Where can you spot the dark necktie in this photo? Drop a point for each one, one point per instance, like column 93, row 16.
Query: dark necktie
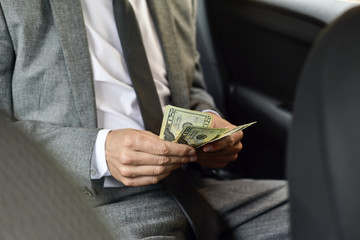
column 201, row 217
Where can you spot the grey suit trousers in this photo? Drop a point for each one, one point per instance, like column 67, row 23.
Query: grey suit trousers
column 248, row 209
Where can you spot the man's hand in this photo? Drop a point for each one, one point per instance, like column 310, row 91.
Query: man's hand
column 219, row 153
column 138, row 158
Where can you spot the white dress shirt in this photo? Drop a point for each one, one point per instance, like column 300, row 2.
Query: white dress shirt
column 116, row 102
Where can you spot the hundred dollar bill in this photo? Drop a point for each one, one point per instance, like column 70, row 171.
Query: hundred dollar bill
column 176, row 119
column 197, row 136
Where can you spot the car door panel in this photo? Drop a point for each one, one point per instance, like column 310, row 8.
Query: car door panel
column 260, row 49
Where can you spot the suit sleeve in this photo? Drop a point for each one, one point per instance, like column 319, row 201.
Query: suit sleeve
column 200, row 99
column 71, row 147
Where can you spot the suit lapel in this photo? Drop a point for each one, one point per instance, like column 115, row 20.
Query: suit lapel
column 71, row 29
column 69, row 22
column 164, row 23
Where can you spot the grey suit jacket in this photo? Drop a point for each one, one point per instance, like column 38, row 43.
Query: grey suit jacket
column 46, row 82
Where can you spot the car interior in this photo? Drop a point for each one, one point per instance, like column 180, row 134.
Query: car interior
column 323, row 144
column 254, row 55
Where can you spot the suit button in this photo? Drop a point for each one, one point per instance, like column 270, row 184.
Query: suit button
column 93, row 172
column 87, row 193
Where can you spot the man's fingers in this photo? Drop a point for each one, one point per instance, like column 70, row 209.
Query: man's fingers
column 146, row 170
column 142, row 181
column 141, row 175
column 142, row 158
column 122, row 144
column 218, row 158
column 227, row 142
column 217, row 161
column 152, row 144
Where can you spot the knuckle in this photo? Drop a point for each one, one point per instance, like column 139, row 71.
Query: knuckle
column 163, row 160
column 241, row 135
column 125, row 159
column 155, row 180
column 230, row 140
column 164, row 149
column 128, row 142
column 239, row 147
column 183, row 151
column 233, row 157
column 184, row 160
column 127, row 182
column 125, row 172
column 160, row 170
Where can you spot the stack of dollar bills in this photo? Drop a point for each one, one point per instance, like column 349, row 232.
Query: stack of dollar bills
column 192, row 127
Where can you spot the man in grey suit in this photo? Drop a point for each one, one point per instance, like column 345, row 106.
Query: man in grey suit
column 63, row 80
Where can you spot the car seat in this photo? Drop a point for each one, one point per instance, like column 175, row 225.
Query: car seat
column 324, row 143
column 37, row 201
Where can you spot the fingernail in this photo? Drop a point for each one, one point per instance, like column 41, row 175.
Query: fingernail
column 192, row 152
column 193, row 158
column 208, row 148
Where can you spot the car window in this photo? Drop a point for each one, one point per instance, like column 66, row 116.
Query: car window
column 324, row 10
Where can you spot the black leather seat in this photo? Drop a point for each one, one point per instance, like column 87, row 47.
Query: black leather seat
column 37, row 202
column 324, row 144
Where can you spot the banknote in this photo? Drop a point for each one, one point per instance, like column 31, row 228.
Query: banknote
column 199, row 136
column 229, row 132
column 192, row 127
column 177, row 119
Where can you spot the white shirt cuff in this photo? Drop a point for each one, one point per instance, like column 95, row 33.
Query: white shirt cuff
column 99, row 166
